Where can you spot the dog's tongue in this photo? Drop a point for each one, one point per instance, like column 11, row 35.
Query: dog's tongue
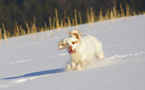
column 71, row 51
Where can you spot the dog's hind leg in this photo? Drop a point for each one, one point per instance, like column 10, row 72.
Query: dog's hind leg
column 100, row 55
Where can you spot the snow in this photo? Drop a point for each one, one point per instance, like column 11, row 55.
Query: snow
column 38, row 64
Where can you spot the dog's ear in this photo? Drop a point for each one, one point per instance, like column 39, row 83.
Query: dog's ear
column 77, row 36
column 79, row 33
column 62, row 44
column 76, row 33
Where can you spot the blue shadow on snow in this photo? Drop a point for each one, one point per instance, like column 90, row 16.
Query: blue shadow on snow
column 53, row 71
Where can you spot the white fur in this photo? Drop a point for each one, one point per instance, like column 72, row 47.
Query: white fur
column 83, row 51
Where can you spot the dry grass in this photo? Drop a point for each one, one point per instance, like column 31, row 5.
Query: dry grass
column 56, row 23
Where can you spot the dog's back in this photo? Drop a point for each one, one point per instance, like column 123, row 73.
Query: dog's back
column 90, row 46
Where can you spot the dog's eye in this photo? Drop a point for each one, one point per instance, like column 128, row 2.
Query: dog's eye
column 67, row 44
column 73, row 42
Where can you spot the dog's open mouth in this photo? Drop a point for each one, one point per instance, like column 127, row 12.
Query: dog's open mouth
column 72, row 51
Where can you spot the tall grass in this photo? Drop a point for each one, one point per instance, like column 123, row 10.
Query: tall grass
column 57, row 23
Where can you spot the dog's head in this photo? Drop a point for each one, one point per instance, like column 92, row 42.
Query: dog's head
column 74, row 33
column 72, row 44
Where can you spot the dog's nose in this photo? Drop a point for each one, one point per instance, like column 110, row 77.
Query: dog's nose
column 70, row 47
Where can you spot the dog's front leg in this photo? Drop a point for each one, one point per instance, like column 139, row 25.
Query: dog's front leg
column 71, row 66
column 74, row 66
column 79, row 66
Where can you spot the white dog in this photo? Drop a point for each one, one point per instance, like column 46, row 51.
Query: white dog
column 82, row 49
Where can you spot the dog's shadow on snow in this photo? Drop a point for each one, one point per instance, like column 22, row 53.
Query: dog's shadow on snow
column 39, row 73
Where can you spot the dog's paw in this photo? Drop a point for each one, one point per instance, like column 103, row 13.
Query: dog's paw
column 73, row 67
column 78, row 67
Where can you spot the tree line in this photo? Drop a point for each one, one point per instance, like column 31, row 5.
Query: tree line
column 22, row 11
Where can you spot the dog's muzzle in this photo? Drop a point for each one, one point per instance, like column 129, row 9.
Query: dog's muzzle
column 71, row 51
